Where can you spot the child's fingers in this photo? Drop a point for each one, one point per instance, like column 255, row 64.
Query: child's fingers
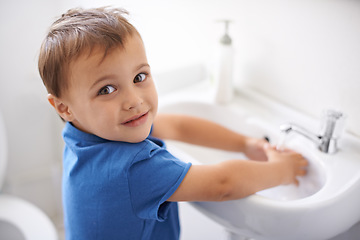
column 284, row 149
column 304, row 163
column 301, row 172
column 296, row 182
column 268, row 148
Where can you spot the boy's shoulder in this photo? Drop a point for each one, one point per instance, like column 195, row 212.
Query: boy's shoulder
column 81, row 142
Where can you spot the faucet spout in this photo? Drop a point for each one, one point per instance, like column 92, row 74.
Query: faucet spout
column 291, row 127
column 326, row 141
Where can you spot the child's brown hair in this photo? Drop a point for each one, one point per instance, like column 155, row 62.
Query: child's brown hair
column 75, row 32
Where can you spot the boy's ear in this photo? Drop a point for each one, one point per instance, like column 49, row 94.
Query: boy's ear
column 61, row 108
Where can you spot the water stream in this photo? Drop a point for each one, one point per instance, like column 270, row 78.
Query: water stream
column 280, row 146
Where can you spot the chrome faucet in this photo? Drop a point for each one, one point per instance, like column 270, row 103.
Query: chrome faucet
column 329, row 134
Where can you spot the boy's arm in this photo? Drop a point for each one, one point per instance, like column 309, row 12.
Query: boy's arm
column 236, row 179
column 230, row 179
column 206, row 133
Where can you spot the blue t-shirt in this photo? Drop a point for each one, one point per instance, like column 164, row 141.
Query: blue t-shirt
column 118, row 190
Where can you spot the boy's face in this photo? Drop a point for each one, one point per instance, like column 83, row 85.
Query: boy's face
column 112, row 97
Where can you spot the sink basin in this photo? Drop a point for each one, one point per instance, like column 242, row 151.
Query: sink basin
column 324, row 205
column 239, row 122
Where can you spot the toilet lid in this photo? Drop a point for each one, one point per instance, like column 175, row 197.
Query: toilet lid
column 33, row 223
column 3, row 151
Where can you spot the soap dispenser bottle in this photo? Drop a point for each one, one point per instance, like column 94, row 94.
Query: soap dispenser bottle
column 224, row 69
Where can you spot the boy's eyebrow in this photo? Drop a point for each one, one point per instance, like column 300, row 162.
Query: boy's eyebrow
column 143, row 65
column 112, row 75
column 101, row 79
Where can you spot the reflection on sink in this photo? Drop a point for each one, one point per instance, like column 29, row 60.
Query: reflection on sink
column 321, row 207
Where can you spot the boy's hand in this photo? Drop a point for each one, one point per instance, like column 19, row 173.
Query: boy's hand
column 255, row 149
column 291, row 164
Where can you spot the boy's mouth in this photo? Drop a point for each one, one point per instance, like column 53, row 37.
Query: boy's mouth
column 136, row 120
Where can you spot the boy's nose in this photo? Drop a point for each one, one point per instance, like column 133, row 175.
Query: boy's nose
column 132, row 100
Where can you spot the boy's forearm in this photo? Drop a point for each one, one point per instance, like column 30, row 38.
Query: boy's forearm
column 228, row 180
column 245, row 178
column 206, row 133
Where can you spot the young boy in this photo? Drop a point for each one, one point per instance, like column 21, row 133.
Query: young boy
column 119, row 181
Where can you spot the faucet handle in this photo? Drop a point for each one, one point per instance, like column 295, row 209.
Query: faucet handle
column 332, row 124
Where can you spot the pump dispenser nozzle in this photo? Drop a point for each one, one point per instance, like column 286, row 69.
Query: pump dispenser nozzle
column 224, row 69
column 226, row 39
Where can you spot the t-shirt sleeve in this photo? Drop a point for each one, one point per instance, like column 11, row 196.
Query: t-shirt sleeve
column 153, row 177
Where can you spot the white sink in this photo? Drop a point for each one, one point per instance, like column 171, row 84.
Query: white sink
column 324, row 205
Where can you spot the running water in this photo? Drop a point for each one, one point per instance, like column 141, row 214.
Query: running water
column 308, row 185
column 280, row 146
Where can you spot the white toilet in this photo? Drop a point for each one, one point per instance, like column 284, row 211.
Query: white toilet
column 20, row 219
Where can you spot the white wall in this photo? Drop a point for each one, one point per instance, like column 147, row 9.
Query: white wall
column 303, row 53
column 308, row 54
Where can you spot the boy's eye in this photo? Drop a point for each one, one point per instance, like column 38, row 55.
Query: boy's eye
column 140, row 77
column 106, row 90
